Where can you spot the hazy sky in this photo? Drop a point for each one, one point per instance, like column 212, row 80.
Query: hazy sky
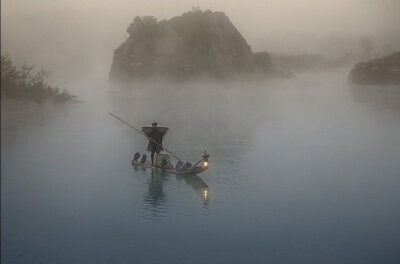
column 79, row 36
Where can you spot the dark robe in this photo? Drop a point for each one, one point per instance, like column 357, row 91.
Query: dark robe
column 157, row 134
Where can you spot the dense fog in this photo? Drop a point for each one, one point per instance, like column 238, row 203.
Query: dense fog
column 76, row 39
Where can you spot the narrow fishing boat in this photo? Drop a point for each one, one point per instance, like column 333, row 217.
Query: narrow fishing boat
column 181, row 169
column 192, row 170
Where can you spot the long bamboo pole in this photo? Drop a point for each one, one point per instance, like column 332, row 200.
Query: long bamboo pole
column 149, row 138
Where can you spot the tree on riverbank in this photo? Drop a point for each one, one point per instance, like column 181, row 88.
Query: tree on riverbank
column 25, row 84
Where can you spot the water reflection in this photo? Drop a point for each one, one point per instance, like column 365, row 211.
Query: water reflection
column 381, row 96
column 156, row 199
column 198, row 185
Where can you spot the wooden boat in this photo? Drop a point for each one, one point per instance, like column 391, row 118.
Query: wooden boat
column 193, row 170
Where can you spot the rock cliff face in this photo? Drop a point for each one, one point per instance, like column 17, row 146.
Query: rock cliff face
column 198, row 43
column 384, row 70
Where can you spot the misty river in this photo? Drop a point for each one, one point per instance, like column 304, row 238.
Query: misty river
column 302, row 170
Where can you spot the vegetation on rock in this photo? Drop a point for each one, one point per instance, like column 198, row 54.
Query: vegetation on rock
column 197, row 43
column 23, row 83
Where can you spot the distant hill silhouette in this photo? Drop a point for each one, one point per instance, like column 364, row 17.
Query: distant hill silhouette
column 384, row 70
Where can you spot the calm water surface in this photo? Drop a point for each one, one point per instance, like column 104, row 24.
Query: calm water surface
column 305, row 170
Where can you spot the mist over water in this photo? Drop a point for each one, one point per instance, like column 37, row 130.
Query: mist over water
column 302, row 170
column 75, row 39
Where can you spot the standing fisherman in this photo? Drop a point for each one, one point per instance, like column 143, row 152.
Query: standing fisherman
column 155, row 133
